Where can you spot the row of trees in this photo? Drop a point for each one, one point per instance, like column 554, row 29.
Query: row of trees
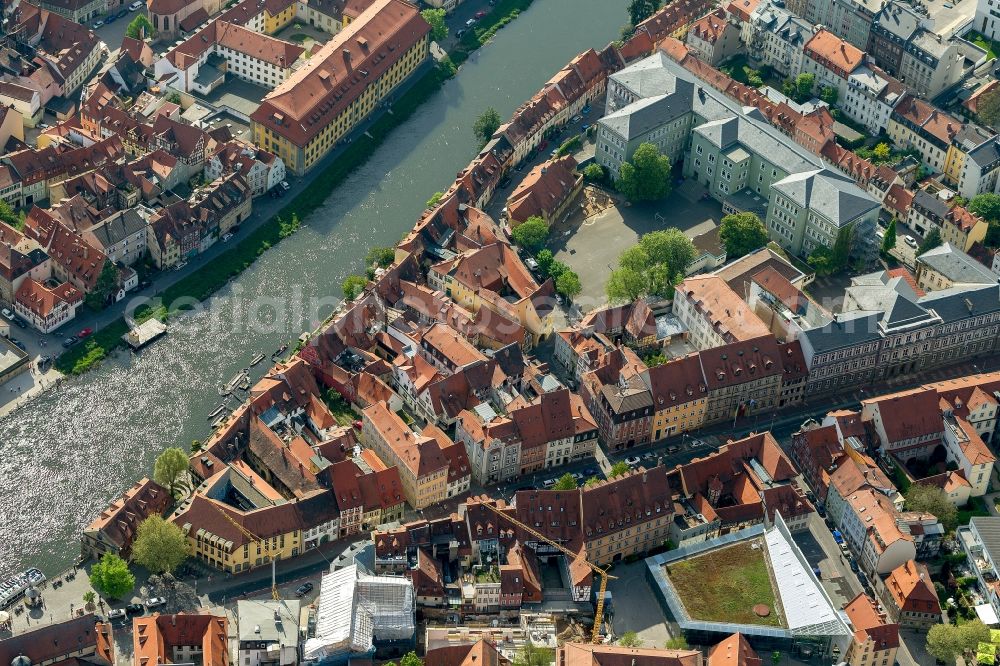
column 532, row 235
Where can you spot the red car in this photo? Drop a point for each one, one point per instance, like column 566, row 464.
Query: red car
column 481, row 13
column 84, row 333
column 357, row 425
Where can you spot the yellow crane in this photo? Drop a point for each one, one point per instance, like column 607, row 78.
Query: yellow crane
column 603, row 573
column 254, row 539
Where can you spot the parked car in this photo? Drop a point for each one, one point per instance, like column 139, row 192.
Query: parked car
column 17, row 343
column 180, row 265
column 7, row 314
column 591, row 471
column 548, row 483
column 134, row 609
column 84, row 333
column 911, row 241
column 633, row 460
column 144, row 284
column 19, row 322
column 116, row 613
column 578, row 477
column 121, row 13
column 577, row 118
column 854, row 566
column 460, row 33
column 303, row 589
column 480, row 14
column 672, row 449
column 155, row 602
column 471, row 22
column 136, row 5
column 70, row 341
column 96, row 24
column 585, row 110
column 285, row 186
column 110, row 18
column 226, row 237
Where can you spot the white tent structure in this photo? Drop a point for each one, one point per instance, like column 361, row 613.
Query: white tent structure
column 355, row 609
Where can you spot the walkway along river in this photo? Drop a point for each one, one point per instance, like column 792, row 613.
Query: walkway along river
column 64, row 457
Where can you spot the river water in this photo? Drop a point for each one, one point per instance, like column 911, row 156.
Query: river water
column 70, row 452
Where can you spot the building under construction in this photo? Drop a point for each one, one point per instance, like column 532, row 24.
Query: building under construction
column 358, row 613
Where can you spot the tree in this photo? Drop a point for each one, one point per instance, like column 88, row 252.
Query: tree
column 804, row 86
column 531, row 234
column 882, row 152
column 383, row 256
column 821, row 260
column 889, row 240
column 647, row 176
column 111, row 577
column 630, row 639
column 841, row 251
column 986, row 206
column 435, row 17
column 159, row 545
column 534, row 655
column 653, row 267
column 640, row 10
column 568, row 284
column 140, row 28
column 931, row 499
column 741, row 234
column 195, row 445
column 988, row 108
column 948, row 641
column 411, row 659
column 353, row 285
column 169, row 467
column 107, row 282
column 486, row 124
column 89, row 597
column 619, row 468
column 754, row 79
column 593, row 172
column 565, row 482
column 8, row 215
column 592, row 481
column 544, row 259
column 678, row 643
column 776, row 657
column 435, row 198
column 788, row 88
column 828, row 95
column 931, row 241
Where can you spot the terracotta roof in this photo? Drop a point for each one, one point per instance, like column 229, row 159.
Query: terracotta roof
column 154, row 639
column 625, row 501
column 709, row 28
column 777, row 284
column 869, row 625
column 742, row 10
column 57, row 643
column 834, row 53
column 912, row 590
column 733, row 651
column 586, row 654
column 741, row 362
column 725, row 311
column 236, row 38
column 41, row 300
column 676, row 382
column 121, row 519
column 419, row 454
column 909, row 414
column 543, row 190
column 898, row 199
column 930, row 119
column 341, row 70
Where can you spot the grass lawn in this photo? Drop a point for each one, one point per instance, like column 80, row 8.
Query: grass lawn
column 987, row 45
column 724, row 586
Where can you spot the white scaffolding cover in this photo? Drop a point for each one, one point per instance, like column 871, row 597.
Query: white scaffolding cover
column 355, row 609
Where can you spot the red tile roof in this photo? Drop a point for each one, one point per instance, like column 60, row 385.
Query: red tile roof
column 543, row 190
column 834, row 53
column 869, row 625
column 734, row 651
column 912, row 590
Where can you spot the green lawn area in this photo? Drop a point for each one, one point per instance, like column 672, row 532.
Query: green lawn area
column 986, row 44
column 724, row 586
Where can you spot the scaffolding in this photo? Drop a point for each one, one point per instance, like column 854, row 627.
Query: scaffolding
column 356, row 610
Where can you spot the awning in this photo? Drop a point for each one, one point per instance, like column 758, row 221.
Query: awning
column 987, row 615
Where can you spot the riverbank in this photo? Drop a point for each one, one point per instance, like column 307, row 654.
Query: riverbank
column 206, row 280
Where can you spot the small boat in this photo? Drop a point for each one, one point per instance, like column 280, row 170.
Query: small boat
column 281, row 350
column 218, row 410
column 256, row 359
column 236, row 381
column 224, row 391
column 245, row 383
column 219, row 421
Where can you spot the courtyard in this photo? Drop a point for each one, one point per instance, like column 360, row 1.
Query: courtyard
column 241, row 96
column 727, row 585
column 602, row 225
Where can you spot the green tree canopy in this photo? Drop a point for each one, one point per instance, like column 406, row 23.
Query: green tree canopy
column 678, row 643
column 882, row 152
column 353, row 285
column 170, row 467
column 534, row 655
column 988, row 108
column 619, row 468
column 640, row 10
column 107, row 283
column 986, row 206
column 565, row 482
column 435, row 17
column 139, row 28
column 948, row 641
column 435, row 198
column 803, row 86
column 931, row 241
column 889, row 240
column 382, row 256
column 593, row 172
column 630, row 639
column 531, row 234
column 931, row 499
column 741, row 234
column 159, row 545
column 111, row 577
column 647, row 176
column 568, row 284
column 828, row 95
column 653, row 267
column 8, row 216
column 486, row 124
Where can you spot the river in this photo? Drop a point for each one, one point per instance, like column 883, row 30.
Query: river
column 70, row 452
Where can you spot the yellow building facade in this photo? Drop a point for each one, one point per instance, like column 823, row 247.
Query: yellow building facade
column 677, row 419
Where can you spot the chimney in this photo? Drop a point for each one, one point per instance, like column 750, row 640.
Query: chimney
column 644, row 473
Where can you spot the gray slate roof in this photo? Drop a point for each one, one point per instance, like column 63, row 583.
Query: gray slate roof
column 989, row 531
column 956, row 265
column 832, row 194
column 119, row 227
column 847, row 330
column 960, row 303
column 647, row 114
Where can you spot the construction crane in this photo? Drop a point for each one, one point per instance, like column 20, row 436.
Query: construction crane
column 254, row 539
column 602, row 573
